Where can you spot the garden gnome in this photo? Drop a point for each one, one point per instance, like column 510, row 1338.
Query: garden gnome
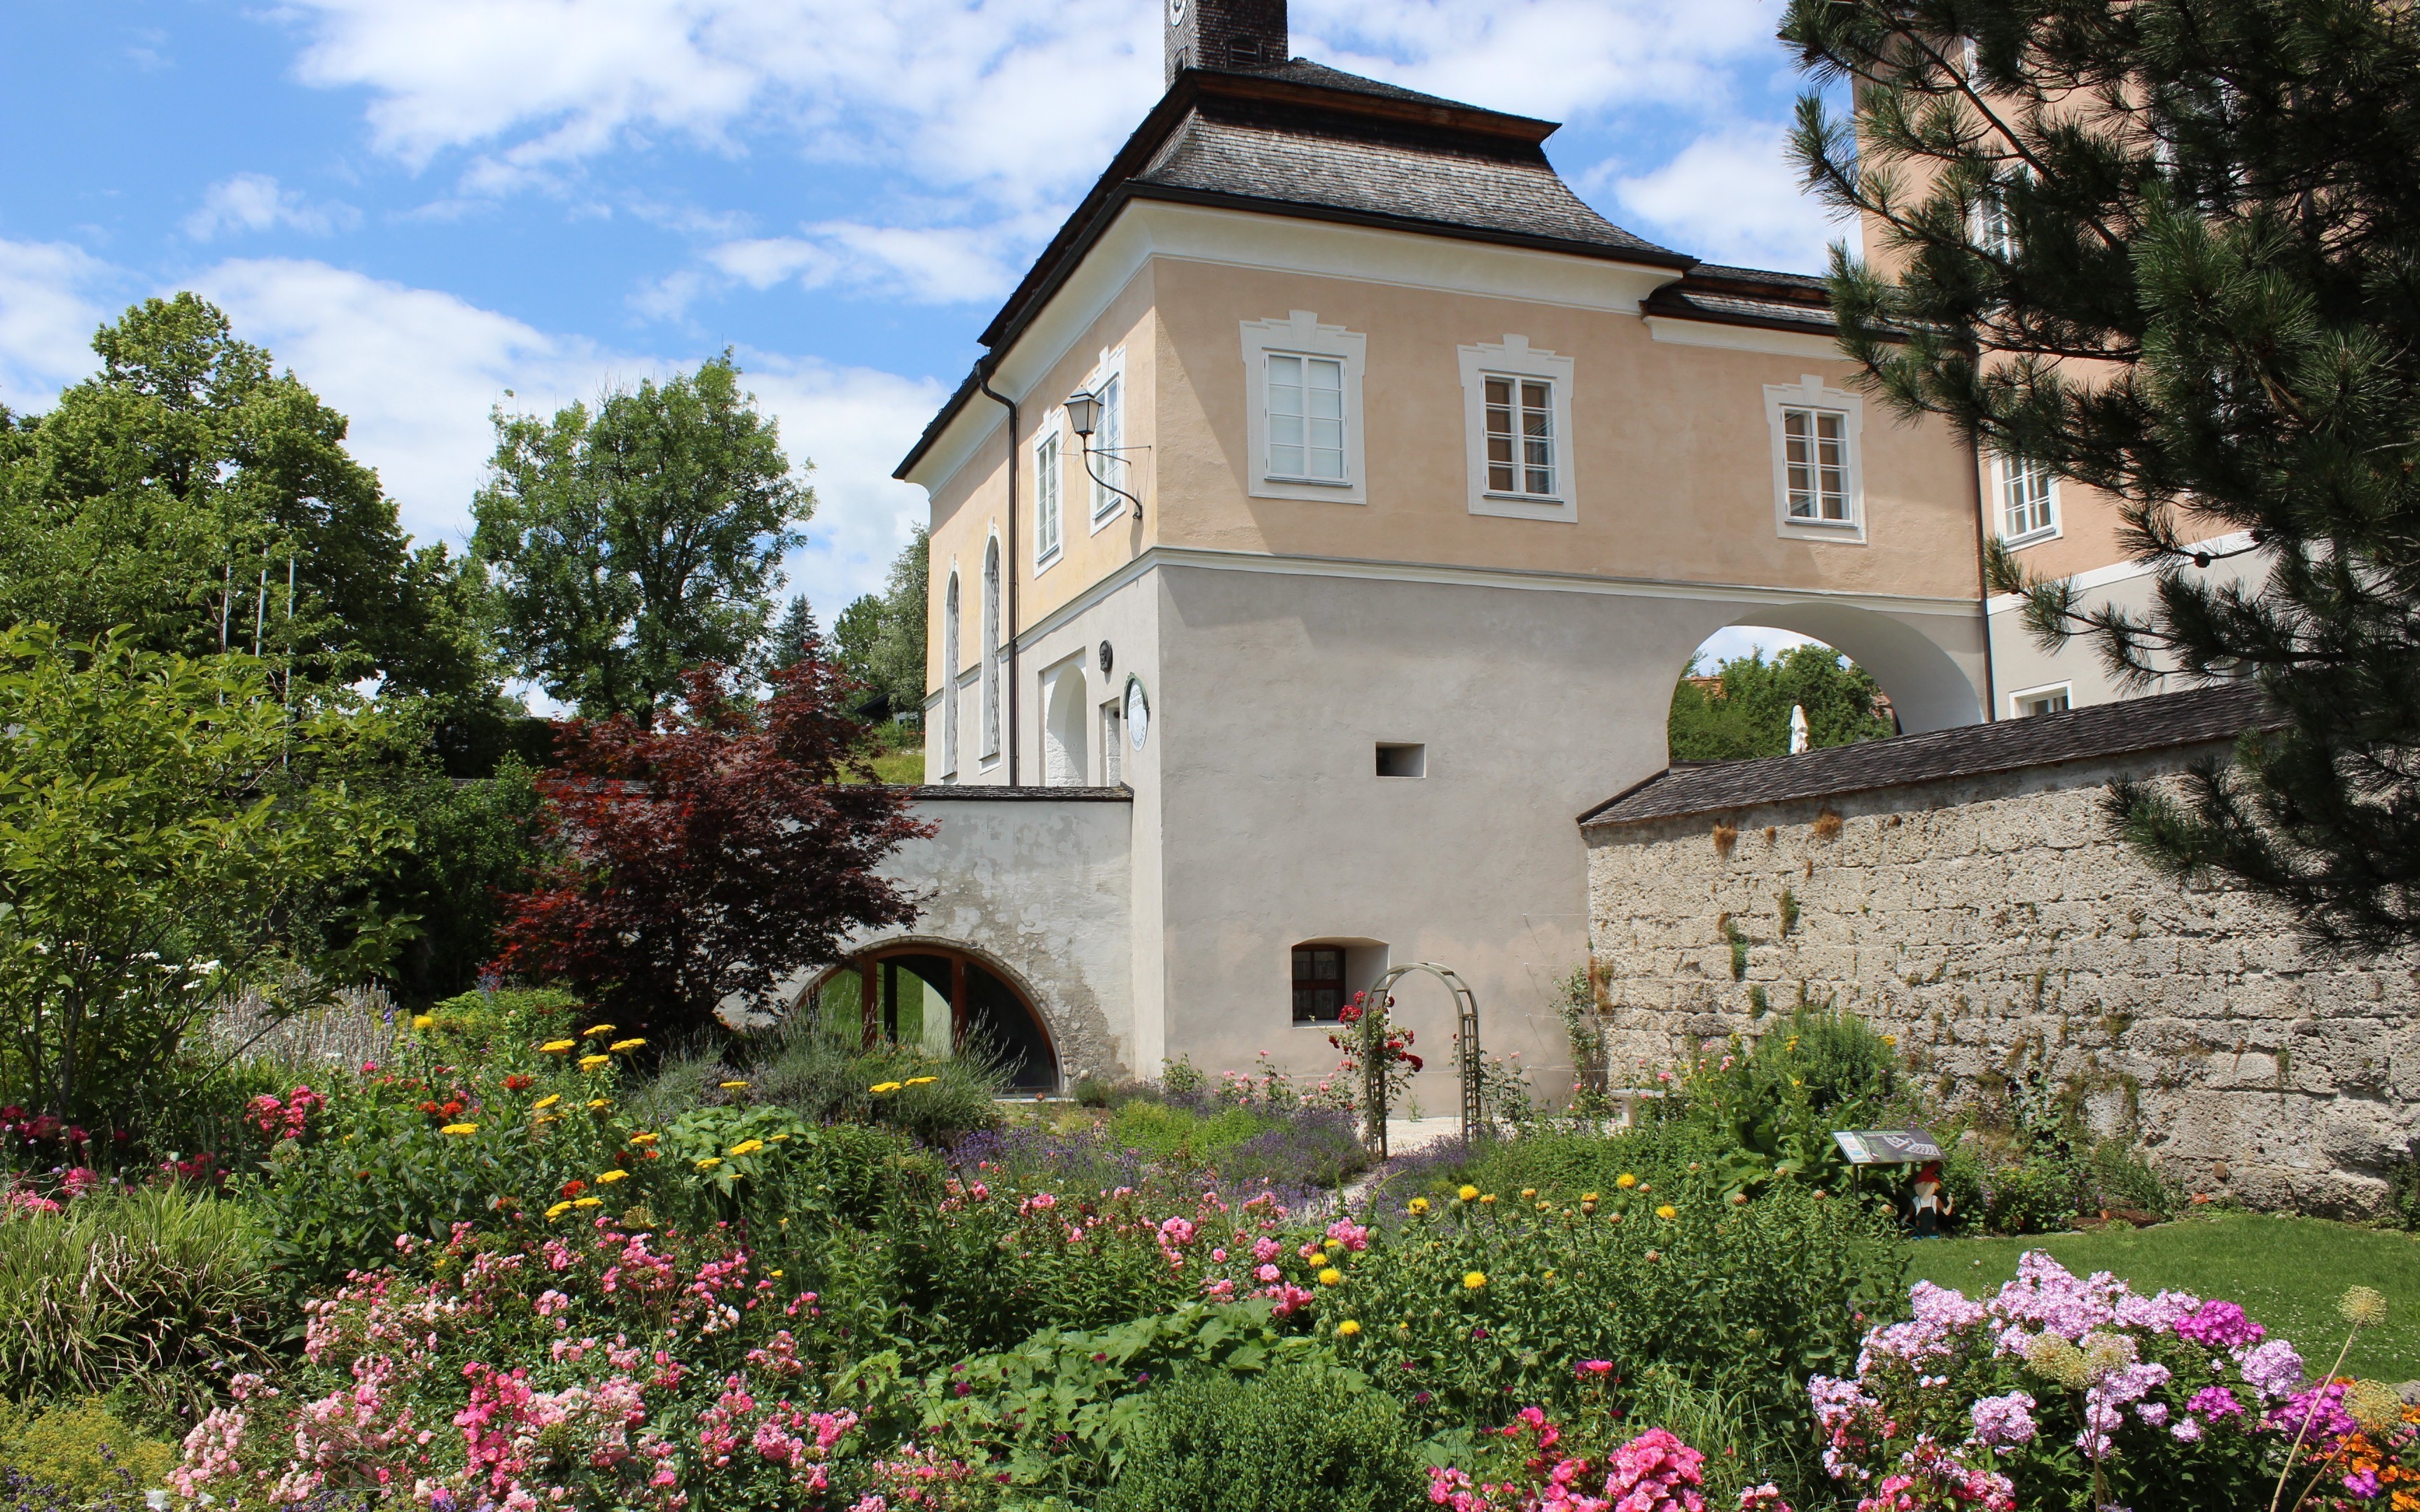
column 1932, row 1204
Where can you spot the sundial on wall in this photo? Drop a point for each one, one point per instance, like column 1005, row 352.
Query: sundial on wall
column 1137, row 712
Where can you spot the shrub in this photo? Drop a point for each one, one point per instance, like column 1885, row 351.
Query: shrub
column 2035, row 1195
column 1302, row 1438
column 800, row 1066
column 81, row 1449
column 504, row 1020
column 161, row 1291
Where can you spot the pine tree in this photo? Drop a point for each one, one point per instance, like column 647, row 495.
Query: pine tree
column 2170, row 249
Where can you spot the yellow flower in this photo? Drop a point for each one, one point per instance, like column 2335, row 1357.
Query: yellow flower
column 599, row 1104
column 1625, row 1181
column 556, row 1047
column 1346, row 1329
column 1416, row 1206
column 748, row 1147
column 880, row 1088
column 558, row 1210
column 1487, row 1199
column 1336, row 1243
column 1891, row 1040
column 781, row 1139
column 592, row 1062
column 642, row 1139
column 1468, row 1193
column 620, row 1045
column 609, row 1177
column 1589, row 1197
column 1331, row 1277
column 424, row 1021
column 595, row 1030
column 1668, row 1211
column 920, row 1081
column 460, row 1129
column 733, row 1086
column 709, row 1162
column 1474, row 1280
column 588, row 1202
column 545, row 1103
column 1529, row 1192
column 775, row 1275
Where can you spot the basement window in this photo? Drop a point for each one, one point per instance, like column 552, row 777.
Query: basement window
column 1403, row 760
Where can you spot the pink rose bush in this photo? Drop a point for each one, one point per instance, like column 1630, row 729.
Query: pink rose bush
column 2060, row 1385
column 1653, row 1472
column 595, row 1367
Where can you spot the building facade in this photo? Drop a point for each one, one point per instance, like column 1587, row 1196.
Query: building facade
column 1345, row 495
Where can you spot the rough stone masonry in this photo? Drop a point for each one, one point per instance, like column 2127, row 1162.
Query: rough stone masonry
column 1965, row 893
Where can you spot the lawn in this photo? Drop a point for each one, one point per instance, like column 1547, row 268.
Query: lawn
column 2286, row 1272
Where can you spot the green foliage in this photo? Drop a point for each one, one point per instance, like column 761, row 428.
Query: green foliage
column 80, row 1449
column 1770, row 1109
column 170, row 493
column 2035, row 1195
column 470, row 845
column 1058, row 1409
column 824, row 1077
column 1748, row 716
column 636, row 542
column 1301, row 1438
column 1486, row 1305
column 881, row 639
column 169, row 830
column 159, row 1292
column 2193, row 295
column 472, row 1025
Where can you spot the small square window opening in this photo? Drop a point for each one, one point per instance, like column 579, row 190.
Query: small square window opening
column 2049, row 701
column 1319, row 995
column 1403, row 760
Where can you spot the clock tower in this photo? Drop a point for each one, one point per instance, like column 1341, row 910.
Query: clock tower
column 1227, row 34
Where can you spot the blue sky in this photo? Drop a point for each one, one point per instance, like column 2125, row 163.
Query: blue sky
column 420, row 205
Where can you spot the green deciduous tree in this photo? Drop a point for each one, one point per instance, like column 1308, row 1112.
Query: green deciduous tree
column 639, row 539
column 203, row 502
column 880, row 637
column 2171, row 248
column 170, row 830
column 1748, row 714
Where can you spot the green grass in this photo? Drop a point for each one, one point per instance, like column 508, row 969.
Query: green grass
column 2286, row 1272
column 901, row 765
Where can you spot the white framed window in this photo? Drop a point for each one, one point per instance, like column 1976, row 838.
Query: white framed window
column 1049, row 478
column 1518, row 420
column 2028, row 501
column 1995, row 231
column 1305, row 408
column 950, row 692
column 1818, row 475
column 1108, row 462
column 992, row 651
column 2053, row 698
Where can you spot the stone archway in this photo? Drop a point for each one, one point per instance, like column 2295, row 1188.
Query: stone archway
column 1928, row 687
column 945, row 997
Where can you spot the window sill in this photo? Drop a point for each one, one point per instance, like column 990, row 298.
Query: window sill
column 1795, row 523
column 1541, row 499
column 1043, row 564
column 2018, row 543
column 1108, row 517
column 1306, row 483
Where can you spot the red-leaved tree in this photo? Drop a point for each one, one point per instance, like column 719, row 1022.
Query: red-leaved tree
column 707, row 857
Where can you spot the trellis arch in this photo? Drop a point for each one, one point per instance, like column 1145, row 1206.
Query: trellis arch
column 1375, row 1013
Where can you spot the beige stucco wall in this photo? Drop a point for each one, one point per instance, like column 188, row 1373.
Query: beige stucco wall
column 1998, row 927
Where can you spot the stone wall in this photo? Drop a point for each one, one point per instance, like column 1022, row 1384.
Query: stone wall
column 1999, row 928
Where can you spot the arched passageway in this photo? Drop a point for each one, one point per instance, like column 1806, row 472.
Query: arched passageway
column 945, row 999
column 1927, row 686
column 1066, row 763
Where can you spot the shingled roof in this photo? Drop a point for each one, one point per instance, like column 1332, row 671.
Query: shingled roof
column 1301, row 139
column 1747, row 297
column 2095, row 733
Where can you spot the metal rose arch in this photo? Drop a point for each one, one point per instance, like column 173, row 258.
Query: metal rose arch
column 1374, row 1059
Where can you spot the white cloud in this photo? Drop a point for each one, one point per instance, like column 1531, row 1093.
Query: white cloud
column 1731, row 196
column 48, row 314
column 1739, row 641
column 934, row 265
column 418, row 372
column 254, row 201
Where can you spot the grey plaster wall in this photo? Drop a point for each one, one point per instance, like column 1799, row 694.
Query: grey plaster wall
column 1999, row 928
column 1041, row 885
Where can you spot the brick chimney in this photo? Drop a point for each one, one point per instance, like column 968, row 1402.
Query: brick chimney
column 1224, row 33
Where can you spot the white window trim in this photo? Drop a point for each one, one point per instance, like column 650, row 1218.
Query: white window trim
column 1053, row 428
column 988, row 635
column 1107, row 509
column 1301, row 334
column 2017, row 699
column 2051, row 531
column 1515, row 358
column 953, row 613
column 1808, row 392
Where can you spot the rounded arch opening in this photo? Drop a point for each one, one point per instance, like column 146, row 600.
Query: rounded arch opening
column 1858, row 674
column 1064, row 758
column 942, row 998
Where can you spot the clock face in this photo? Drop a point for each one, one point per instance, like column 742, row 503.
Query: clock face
column 1138, row 713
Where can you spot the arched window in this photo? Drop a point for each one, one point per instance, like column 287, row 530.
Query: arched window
column 943, row 1000
column 991, row 650
column 950, row 679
